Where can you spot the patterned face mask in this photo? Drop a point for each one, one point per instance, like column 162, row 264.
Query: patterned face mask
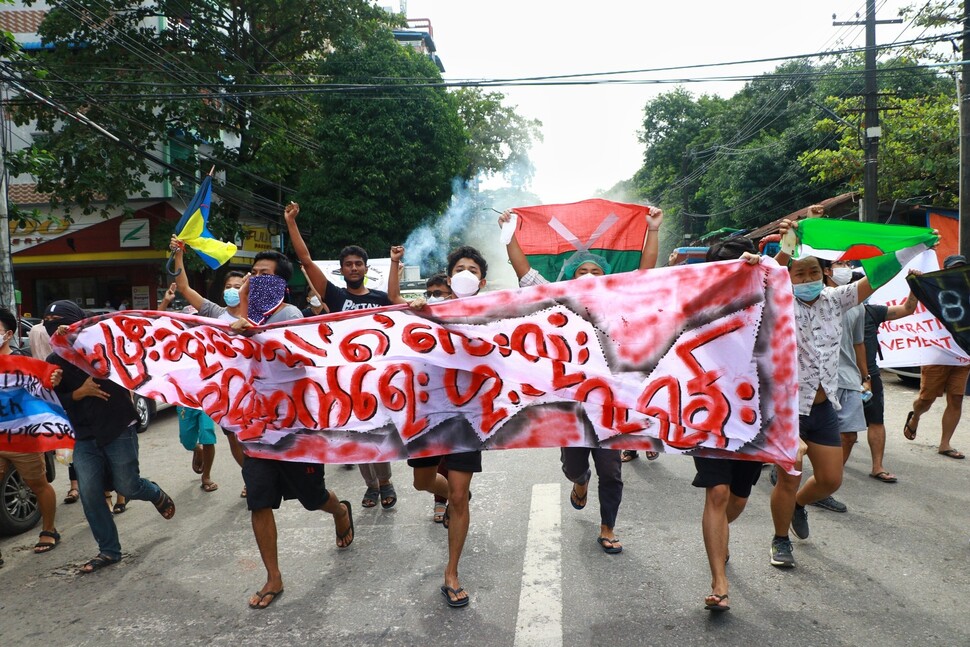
column 266, row 292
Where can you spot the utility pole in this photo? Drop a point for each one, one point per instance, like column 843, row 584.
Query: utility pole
column 7, row 296
column 965, row 137
column 870, row 180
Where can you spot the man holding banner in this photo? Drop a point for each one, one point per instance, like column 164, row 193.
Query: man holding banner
column 106, row 428
column 23, row 380
column 883, row 250
column 575, row 460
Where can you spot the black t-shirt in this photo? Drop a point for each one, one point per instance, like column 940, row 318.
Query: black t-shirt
column 875, row 316
column 339, row 299
column 91, row 417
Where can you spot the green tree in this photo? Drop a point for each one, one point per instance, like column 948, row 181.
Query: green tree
column 744, row 160
column 386, row 159
column 919, row 155
column 171, row 75
column 499, row 138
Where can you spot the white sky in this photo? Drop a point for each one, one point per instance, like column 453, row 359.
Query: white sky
column 591, row 131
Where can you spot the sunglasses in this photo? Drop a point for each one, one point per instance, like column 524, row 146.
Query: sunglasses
column 437, row 293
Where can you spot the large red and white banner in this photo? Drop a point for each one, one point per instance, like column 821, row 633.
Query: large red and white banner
column 698, row 358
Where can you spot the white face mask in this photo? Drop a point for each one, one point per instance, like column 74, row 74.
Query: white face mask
column 587, row 275
column 435, row 299
column 315, row 302
column 464, row 284
column 841, row 275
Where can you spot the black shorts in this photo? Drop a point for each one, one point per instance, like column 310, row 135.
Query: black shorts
column 821, row 425
column 740, row 475
column 269, row 482
column 460, row 462
column 876, row 405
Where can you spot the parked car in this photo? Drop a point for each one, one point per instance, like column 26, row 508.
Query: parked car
column 147, row 409
column 18, row 505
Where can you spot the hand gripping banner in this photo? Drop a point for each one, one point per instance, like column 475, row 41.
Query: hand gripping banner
column 695, row 359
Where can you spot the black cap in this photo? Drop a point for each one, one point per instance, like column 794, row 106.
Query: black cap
column 954, row 261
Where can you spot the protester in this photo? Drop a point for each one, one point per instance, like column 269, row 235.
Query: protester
column 30, row 465
column 356, row 296
column 106, row 435
column 40, row 348
column 853, row 373
column 818, row 321
column 575, row 460
column 466, row 274
column 269, row 482
column 935, row 380
column 727, row 483
column 874, row 408
column 203, row 456
column 315, row 305
column 436, row 290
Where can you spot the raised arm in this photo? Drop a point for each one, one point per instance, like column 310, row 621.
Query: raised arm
column 182, row 279
column 394, row 275
column 904, row 309
column 314, row 274
column 168, row 298
column 519, row 262
column 651, row 240
column 782, row 257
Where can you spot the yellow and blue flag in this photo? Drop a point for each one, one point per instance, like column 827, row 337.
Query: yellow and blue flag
column 193, row 230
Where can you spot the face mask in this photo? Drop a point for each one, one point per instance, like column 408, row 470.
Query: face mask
column 231, row 297
column 587, row 275
column 266, row 292
column 841, row 275
column 315, row 302
column 436, row 299
column 808, row 291
column 464, row 284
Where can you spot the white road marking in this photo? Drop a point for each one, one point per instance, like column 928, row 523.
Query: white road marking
column 539, row 622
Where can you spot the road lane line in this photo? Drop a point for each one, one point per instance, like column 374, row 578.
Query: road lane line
column 539, row 622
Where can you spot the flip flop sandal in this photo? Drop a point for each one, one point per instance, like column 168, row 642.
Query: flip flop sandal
column 439, row 512
column 388, row 496
column 457, row 601
column 578, row 502
column 609, row 546
column 652, row 456
column 211, row 486
column 72, row 496
column 713, row 602
column 908, row 431
column 884, row 476
column 952, row 453
column 119, row 508
column 98, row 563
column 43, row 547
column 370, row 498
column 263, row 596
column 164, row 505
column 350, row 531
column 628, row 455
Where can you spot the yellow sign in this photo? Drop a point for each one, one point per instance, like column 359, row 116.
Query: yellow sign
column 256, row 239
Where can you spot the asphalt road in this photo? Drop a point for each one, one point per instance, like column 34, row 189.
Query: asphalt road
column 892, row 571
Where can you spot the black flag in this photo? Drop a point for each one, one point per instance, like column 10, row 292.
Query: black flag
column 947, row 295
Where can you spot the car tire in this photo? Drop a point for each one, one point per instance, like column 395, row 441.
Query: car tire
column 18, row 505
column 145, row 409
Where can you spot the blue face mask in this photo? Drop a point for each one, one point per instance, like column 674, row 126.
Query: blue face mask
column 231, row 297
column 808, row 291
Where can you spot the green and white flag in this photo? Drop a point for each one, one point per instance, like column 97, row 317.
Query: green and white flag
column 883, row 249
